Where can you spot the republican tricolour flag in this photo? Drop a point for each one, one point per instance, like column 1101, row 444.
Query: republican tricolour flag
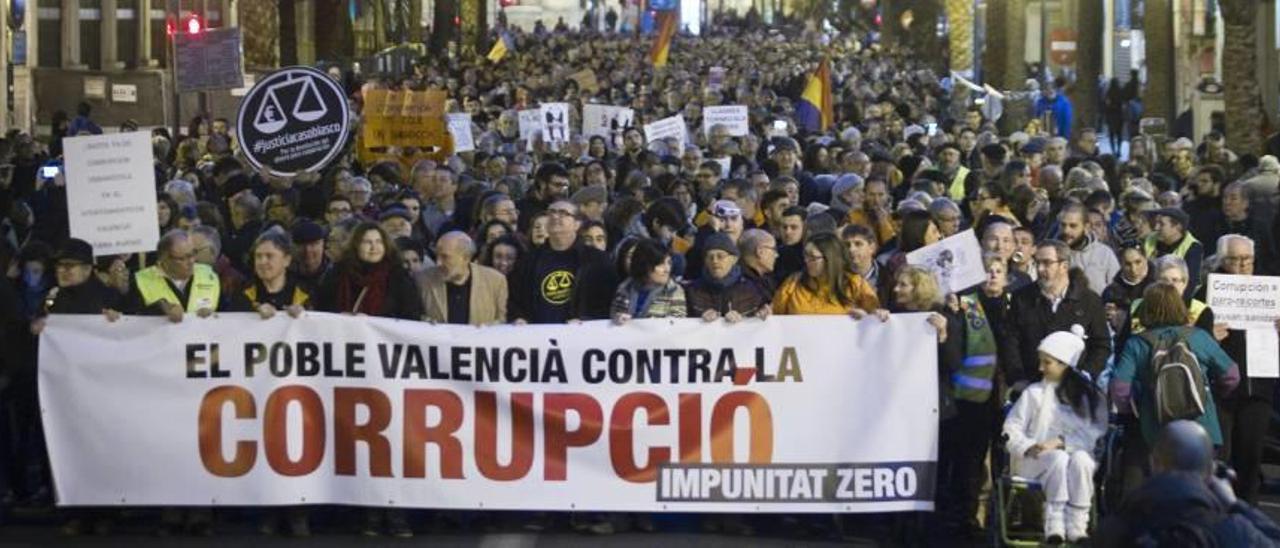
column 815, row 111
column 662, row 42
column 503, row 45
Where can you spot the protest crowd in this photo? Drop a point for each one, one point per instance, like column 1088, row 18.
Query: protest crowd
column 1094, row 260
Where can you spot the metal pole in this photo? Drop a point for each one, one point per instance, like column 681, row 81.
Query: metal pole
column 1044, row 40
column 174, row 11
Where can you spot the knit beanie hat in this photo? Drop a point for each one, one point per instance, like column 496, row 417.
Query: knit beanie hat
column 1065, row 346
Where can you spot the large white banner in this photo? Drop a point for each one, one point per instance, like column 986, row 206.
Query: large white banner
column 111, row 192
column 792, row 414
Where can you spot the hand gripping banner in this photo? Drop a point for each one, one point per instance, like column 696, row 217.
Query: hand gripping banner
column 792, row 414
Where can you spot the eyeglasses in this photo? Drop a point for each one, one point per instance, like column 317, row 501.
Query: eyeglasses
column 1243, row 260
column 813, row 258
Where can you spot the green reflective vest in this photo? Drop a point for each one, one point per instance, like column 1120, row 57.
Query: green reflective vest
column 957, row 185
column 974, row 381
column 203, row 292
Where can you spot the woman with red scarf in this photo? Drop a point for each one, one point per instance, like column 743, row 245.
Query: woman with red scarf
column 370, row 279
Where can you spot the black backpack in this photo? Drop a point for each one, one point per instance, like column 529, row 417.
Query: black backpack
column 1178, row 381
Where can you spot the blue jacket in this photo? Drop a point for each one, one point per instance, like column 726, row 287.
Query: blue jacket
column 1060, row 106
column 1132, row 379
column 82, row 123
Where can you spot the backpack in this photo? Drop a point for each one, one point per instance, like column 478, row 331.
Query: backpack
column 1180, row 391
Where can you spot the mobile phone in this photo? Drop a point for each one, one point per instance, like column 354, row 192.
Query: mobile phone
column 49, row 172
column 780, row 125
column 933, row 130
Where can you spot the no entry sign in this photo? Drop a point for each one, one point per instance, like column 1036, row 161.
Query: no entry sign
column 294, row 120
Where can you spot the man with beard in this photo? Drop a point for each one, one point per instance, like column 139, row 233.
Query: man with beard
column 1088, row 254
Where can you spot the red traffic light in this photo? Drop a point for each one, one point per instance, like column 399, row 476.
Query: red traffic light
column 193, row 25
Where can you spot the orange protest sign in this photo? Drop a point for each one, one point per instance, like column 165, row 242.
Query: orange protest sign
column 406, row 119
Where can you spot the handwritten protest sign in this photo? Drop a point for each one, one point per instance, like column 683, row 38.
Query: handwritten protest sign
column 460, row 130
column 733, row 117
column 111, row 192
column 667, row 128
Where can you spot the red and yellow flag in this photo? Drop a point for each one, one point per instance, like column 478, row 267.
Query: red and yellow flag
column 815, row 111
column 662, row 42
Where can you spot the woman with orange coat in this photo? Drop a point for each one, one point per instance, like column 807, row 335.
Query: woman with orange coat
column 827, row 284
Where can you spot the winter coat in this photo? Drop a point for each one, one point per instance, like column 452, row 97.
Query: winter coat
column 667, row 301
column 1040, row 416
column 1031, row 318
column 743, row 296
column 1175, row 499
column 1132, row 380
column 793, row 297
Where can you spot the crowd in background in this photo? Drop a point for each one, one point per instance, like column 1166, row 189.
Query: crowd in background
column 788, row 219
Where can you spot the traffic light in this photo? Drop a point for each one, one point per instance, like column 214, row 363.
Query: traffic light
column 192, row 25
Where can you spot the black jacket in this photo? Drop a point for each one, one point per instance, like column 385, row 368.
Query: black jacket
column 1031, row 318
column 1175, row 507
column 90, row 297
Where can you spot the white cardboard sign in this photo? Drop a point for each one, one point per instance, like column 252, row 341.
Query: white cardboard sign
column 555, row 128
column 956, row 261
column 1251, row 303
column 111, row 192
column 734, row 117
column 607, row 121
column 460, row 128
column 673, row 127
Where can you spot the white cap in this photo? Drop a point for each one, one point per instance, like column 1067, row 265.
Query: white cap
column 1269, row 163
column 1065, row 346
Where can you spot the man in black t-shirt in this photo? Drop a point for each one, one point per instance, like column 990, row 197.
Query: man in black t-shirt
column 562, row 280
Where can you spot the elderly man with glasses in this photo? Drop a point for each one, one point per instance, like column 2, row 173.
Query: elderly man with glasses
column 1244, row 413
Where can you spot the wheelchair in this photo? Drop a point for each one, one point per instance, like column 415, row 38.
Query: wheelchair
column 1019, row 501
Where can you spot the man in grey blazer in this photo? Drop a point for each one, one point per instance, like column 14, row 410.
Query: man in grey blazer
column 459, row 291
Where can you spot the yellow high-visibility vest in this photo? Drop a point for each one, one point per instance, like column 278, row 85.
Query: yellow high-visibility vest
column 204, row 292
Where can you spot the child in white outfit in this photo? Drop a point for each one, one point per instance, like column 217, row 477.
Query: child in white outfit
column 1052, row 432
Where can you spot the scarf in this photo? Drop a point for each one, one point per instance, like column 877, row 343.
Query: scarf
column 724, row 283
column 363, row 290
